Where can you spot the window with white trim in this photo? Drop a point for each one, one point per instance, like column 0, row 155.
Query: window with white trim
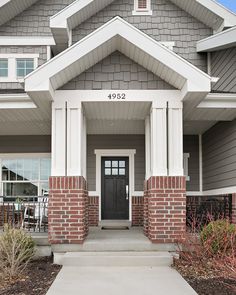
column 24, row 66
column 142, row 7
column 3, row 67
column 14, row 67
column 186, row 157
column 25, row 175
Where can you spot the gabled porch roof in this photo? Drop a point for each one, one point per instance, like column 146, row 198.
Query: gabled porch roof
column 116, row 34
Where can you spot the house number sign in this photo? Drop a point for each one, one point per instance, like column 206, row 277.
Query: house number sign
column 117, row 96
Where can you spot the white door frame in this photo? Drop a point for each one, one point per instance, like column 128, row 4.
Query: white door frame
column 114, row 153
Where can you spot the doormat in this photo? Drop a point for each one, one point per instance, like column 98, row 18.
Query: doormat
column 115, row 228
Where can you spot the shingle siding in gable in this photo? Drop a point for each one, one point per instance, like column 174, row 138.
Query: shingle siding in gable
column 41, row 50
column 117, row 72
column 219, row 156
column 223, row 64
column 168, row 23
column 34, row 20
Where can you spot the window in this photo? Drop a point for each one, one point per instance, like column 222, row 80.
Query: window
column 3, row 67
column 15, row 66
column 25, row 176
column 142, row 4
column 142, row 7
column 115, row 168
column 24, row 66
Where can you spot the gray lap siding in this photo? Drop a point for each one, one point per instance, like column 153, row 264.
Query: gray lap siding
column 191, row 146
column 25, row 144
column 219, row 156
column 223, row 66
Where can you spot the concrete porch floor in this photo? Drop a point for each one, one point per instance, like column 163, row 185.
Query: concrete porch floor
column 114, row 240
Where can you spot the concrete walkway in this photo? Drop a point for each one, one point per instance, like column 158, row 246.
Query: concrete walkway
column 143, row 280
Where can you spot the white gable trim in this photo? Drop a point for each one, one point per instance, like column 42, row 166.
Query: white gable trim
column 223, row 40
column 118, row 34
column 210, row 12
column 11, row 8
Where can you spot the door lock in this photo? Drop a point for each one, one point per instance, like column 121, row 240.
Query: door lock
column 127, row 192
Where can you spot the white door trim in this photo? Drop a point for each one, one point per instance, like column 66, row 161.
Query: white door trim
column 115, row 153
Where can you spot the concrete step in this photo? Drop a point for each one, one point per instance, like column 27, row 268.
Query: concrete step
column 101, row 259
column 114, row 224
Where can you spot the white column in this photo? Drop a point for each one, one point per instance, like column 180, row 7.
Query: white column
column 175, row 138
column 84, row 148
column 58, row 138
column 158, row 139
column 75, row 130
column 148, row 147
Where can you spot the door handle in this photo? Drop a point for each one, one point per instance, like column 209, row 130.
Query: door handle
column 127, row 192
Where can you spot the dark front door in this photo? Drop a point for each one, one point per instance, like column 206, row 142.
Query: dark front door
column 115, row 188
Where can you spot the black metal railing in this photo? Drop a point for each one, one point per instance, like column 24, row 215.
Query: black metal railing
column 203, row 209
column 29, row 213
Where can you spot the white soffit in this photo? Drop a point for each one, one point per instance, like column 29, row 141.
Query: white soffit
column 223, row 40
column 117, row 34
column 209, row 12
column 11, row 8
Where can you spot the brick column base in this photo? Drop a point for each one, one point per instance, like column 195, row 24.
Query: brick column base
column 234, row 208
column 165, row 208
column 67, row 210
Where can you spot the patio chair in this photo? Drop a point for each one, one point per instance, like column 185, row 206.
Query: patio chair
column 36, row 213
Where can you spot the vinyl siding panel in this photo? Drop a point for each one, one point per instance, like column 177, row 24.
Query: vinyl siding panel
column 116, row 142
column 219, row 156
column 191, row 146
column 167, row 23
column 25, row 144
column 117, row 72
column 223, row 65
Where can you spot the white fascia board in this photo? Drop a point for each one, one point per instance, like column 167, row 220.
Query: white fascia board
column 219, row 101
column 228, row 16
column 11, row 8
column 225, row 39
column 26, row 41
column 40, row 78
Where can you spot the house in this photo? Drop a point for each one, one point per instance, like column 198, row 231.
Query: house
column 119, row 109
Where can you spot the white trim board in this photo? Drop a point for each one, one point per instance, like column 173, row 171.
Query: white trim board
column 213, row 192
column 27, row 41
column 16, row 101
column 222, row 40
column 115, row 153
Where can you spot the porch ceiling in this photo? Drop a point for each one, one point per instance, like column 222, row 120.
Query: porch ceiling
column 116, row 110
